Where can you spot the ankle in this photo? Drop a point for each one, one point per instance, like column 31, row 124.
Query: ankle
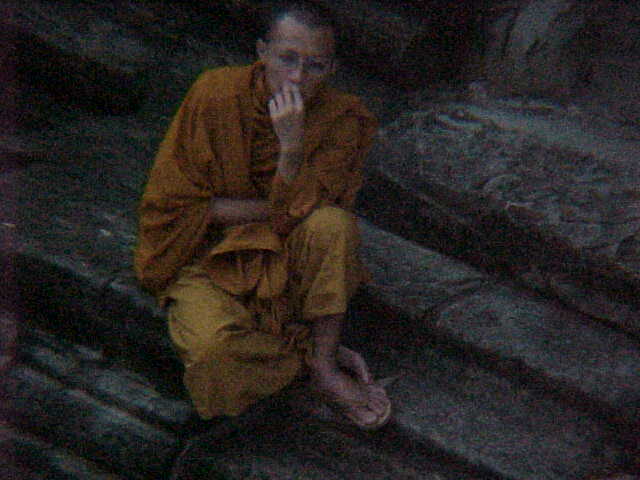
column 321, row 367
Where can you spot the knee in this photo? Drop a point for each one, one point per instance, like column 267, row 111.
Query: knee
column 331, row 223
column 207, row 345
column 201, row 329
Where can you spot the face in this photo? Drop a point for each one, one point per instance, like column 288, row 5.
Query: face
column 298, row 55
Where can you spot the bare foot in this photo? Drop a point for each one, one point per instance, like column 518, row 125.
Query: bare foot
column 355, row 363
column 363, row 403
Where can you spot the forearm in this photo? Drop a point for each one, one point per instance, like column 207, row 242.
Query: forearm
column 289, row 161
column 230, row 211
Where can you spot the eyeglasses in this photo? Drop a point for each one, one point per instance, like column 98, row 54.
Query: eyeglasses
column 292, row 61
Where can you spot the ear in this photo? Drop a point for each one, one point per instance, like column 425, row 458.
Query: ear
column 261, row 49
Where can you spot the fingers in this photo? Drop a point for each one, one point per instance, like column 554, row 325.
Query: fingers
column 289, row 92
column 378, row 392
column 286, row 109
column 296, row 97
column 287, row 99
column 272, row 107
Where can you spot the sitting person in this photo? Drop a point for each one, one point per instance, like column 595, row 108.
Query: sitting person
column 246, row 235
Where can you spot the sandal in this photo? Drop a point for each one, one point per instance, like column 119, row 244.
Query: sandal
column 332, row 406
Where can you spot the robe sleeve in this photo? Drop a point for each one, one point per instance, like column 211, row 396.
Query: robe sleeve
column 332, row 175
column 174, row 206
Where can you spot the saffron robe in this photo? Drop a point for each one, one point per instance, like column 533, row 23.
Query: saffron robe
column 221, row 144
column 233, row 356
column 206, row 153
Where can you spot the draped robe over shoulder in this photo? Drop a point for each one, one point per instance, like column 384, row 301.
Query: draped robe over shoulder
column 221, row 144
column 239, row 298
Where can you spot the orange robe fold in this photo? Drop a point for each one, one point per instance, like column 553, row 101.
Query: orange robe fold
column 219, row 145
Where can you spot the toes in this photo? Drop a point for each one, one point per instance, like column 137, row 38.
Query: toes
column 377, row 406
column 378, row 400
column 377, row 393
column 363, row 403
column 376, row 389
column 364, row 415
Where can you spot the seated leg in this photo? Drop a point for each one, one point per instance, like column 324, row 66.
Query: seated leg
column 324, row 267
column 324, row 273
column 229, row 363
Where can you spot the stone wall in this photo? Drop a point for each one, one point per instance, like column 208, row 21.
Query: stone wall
column 409, row 43
column 563, row 48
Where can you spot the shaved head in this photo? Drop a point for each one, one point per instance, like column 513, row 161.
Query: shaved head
column 306, row 13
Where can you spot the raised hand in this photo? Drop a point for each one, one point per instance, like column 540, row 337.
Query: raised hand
column 286, row 109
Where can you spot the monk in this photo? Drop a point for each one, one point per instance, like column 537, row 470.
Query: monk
column 246, row 235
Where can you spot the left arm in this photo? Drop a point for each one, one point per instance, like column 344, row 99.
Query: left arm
column 332, row 174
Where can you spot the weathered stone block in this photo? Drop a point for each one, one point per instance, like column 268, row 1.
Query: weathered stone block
column 522, row 334
column 70, row 418
column 529, row 190
column 50, row 51
column 538, row 47
column 31, row 458
column 105, row 378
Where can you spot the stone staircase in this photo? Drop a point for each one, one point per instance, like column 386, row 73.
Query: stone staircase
column 493, row 376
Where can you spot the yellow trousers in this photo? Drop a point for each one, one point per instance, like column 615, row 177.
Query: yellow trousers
column 231, row 358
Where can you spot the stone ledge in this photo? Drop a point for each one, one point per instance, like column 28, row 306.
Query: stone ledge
column 95, row 430
column 46, row 52
column 438, row 294
column 30, row 457
column 426, row 286
column 289, row 446
column 75, row 280
column 106, row 379
column 530, row 336
column 482, row 214
column 510, row 430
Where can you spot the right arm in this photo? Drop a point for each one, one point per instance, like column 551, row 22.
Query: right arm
column 286, row 110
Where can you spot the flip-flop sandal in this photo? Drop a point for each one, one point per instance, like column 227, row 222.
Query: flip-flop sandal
column 384, row 418
column 331, row 406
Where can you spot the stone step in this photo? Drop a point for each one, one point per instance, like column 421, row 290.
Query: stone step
column 69, row 417
column 445, row 408
column 99, row 285
column 511, row 429
column 105, row 379
column 429, row 289
column 516, row 332
column 444, row 404
column 250, row 451
column 26, row 457
column 400, row 288
column 69, row 255
column 287, row 446
column 78, row 59
column 522, row 188
column 507, row 419
column 85, row 408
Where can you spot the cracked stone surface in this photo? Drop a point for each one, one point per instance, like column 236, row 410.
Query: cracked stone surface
column 531, row 179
